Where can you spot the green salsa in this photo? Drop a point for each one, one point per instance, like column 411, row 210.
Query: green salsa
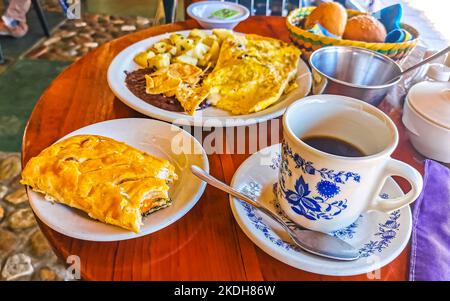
column 223, row 13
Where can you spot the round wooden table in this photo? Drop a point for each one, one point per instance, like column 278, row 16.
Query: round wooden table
column 207, row 243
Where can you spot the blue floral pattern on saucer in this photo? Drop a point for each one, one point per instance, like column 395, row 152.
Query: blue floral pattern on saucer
column 348, row 232
column 385, row 232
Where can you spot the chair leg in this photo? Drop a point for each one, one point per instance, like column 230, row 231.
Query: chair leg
column 41, row 16
column 170, row 7
column 2, row 58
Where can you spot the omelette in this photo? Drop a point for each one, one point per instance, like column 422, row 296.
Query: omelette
column 109, row 180
column 251, row 73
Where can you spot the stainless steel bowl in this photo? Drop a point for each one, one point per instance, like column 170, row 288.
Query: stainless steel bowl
column 352, row 71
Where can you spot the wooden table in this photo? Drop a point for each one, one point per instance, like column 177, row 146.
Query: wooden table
column 207, row 243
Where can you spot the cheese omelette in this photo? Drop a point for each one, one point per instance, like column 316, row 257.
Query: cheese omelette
column 252, row 73
column 111, row 181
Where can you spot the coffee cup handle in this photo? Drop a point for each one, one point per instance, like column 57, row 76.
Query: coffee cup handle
column 398, row 168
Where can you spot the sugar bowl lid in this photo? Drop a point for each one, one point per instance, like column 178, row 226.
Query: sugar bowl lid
column 431, row 100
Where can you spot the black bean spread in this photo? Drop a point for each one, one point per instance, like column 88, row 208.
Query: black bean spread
column 135, row 81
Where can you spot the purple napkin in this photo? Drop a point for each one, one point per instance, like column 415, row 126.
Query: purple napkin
column 430, row 250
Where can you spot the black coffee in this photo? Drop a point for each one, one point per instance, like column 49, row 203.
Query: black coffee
column 334, row 146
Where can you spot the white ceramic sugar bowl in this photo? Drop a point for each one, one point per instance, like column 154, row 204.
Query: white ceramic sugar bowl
column 426, row 116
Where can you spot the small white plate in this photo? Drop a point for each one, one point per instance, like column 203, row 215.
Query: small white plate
column 154, row 137
column 380, row 237
column 210, row 116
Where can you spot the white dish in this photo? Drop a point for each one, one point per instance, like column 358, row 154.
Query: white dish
column 210, row 116
column 380, row 237
column 427, row 120
column 154, row 137
column 201, row 11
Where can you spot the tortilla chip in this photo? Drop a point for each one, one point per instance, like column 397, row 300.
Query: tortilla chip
column 170, row 93
column 180, row 70
column 162, row 84
column 149, row 83
column 190, row 97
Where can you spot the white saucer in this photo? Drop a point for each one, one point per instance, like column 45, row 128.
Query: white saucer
column 380, row 237
column 154, row 137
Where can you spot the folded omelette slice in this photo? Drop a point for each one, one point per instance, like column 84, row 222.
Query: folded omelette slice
column 109, row 180
column 251, row 73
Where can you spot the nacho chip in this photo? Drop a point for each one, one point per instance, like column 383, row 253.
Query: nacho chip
column 190, row 97
column 170, row 93
column 183, row 71
column 162, row 84
column 149, row 83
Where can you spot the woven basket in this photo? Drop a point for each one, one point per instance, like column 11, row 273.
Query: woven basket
column 307, row 42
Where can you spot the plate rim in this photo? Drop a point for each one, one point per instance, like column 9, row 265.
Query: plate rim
column 186, row 120
column 274, row 252
column 130, row 234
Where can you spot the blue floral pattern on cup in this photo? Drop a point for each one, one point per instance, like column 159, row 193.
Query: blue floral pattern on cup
column 313, row 207
column 307, row 167
column 305, row 202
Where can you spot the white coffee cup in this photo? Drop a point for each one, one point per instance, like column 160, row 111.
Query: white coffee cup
column 326, row 192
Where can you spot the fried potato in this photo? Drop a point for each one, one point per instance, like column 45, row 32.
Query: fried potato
column 198, row 49
column 187, row 59
column 160, row 47
column 142, row 58
column 197, row 33
column 174, row 38
column 159, row 61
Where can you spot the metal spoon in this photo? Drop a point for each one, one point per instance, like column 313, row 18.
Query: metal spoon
column 314, row 242
column 428, row 59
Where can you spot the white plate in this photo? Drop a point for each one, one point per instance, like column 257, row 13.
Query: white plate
column 380, row 237
column 210, row 116
column 154, row 137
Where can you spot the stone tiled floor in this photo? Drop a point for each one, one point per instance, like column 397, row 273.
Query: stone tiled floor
column 24, row 252
column 75, row 38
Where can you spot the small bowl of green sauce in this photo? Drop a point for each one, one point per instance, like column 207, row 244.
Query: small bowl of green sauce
column 217, row 14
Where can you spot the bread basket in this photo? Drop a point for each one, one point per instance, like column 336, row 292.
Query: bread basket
column 307, row 41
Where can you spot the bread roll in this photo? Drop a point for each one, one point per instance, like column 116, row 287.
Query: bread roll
column 365, row 28
column 330, row 15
